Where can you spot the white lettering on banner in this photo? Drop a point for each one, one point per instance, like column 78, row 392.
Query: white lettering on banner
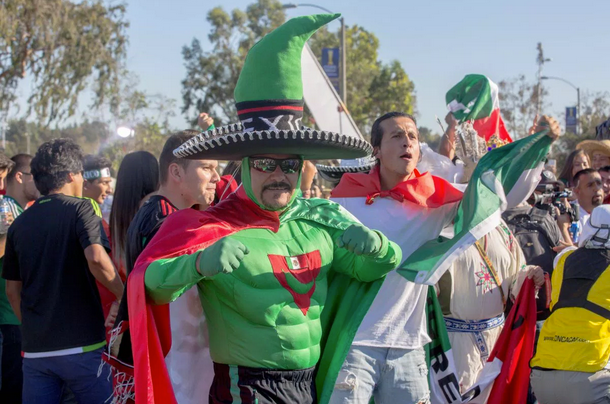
column 444, row 383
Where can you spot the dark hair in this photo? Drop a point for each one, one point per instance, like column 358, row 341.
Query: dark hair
column 566, row 174
column 52, row 163
column 377, row 132
column 138, row 176
column 93, row 162
column 233, row 168
column 167, row 157
column 605, row 169
column 579, row 174
column 21, row 162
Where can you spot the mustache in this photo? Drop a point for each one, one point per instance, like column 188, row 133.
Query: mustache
column 278, row 185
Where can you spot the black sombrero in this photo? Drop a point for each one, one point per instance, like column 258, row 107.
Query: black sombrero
column 269, row 101
column 334, row 173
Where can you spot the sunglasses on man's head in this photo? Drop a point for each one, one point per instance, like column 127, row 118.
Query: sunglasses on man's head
column 268, row 165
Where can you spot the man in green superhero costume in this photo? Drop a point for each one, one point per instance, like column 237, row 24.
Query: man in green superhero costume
column 280, row 278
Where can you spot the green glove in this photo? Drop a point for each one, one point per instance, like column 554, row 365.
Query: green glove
column 224, row 256
column 360, row 240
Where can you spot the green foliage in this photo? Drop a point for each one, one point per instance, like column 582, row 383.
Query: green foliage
column 147, row 114
column 211, row 75
column 595, row 109
column 60, row 45
column 518, row 103
column 148, row 135
column 427, row 136
column 373, row 88
column 89, row 134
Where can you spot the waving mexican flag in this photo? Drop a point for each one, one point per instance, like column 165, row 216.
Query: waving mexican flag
column 503, row 178
column 476, row 99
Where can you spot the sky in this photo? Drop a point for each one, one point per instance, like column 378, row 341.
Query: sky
column 436, row 41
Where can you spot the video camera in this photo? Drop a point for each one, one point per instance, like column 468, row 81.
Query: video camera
column 548, row 196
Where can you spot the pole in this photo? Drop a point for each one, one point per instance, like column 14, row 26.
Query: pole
column 27, row 138
column 540, row 61
column 578, row 111
column 343, row 64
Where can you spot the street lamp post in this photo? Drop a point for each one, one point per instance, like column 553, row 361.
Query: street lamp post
column 577, row 97
column 343, row 86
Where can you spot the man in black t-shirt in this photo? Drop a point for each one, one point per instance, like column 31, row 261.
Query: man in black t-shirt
column 184, row 184
column 51, row 275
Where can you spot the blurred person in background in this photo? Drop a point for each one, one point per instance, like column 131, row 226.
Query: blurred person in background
column 97, row 182
column 51, row 274
column 605, row 174
column 589, row 192
column 11, row 376
column 138, row 177
column 20, row 190
column 309, row 173
column 20, row 186
column 598, row 151
column 576, row 161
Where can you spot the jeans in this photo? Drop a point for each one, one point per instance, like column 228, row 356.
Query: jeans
column 390, row 375
column 11, row 378
column 44, row 378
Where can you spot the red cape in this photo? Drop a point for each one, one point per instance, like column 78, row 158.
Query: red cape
column 184, row 232
column 225, row 187
column 422, row 189
column 515, row 348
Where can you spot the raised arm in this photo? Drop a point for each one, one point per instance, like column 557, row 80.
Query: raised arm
column 364, row 254
column 167, row 279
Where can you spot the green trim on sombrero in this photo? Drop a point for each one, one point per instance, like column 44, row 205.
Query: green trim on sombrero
column 272, row 69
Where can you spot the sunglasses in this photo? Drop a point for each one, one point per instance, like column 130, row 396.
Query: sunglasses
column 268, row 165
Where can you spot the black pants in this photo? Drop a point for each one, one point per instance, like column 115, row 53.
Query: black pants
column 243, row 385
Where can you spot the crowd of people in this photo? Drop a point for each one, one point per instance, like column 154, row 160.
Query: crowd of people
column 413, row 276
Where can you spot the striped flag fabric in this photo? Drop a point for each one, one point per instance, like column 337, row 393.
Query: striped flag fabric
column 503, row 178
column 476, row 98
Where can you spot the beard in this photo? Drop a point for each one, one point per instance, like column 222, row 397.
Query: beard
column 276, row 195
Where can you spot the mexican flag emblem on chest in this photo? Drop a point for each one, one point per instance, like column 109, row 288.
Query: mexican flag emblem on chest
column 297, row 274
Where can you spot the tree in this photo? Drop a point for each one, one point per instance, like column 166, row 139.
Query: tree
column 89, row 135
column 61, row 45
column 211, row 76
column 595, row 109
column 518, row 103
column 427, row 136
column 373, row 88
column 147, row 114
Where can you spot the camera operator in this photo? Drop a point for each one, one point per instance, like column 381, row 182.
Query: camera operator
column 534, row 224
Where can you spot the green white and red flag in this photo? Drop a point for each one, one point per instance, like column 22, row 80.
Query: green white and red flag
column 476, row 99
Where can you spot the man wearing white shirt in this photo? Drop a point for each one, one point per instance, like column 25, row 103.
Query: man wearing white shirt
column 589, row 192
